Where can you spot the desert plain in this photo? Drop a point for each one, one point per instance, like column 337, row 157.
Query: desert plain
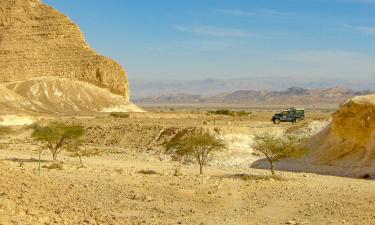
column 130, row 180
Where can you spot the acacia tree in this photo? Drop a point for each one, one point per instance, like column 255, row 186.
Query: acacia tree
column 199, row 145
column 56, row 135
column 275, row 148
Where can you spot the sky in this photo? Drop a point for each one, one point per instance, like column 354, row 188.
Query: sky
column 223, row 39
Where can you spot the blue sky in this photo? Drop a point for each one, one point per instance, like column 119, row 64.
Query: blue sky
column 199, row 39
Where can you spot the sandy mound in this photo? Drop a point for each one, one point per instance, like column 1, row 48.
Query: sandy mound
column 11, row 102
column 66, row 96
column 349, row 141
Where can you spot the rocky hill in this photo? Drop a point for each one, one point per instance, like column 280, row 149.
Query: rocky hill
column 39, row 44
column 293, row 95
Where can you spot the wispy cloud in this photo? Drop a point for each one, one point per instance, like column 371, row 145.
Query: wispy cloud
column 317, row 64
column 253, row 13
column 207, row 45
column 215, row 31
column 369, row 30
column 346, row 62
column 236, row 12
column 360, row 1
column 343, row 1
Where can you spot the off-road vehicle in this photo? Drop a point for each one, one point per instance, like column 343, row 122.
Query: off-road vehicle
column 289, row 115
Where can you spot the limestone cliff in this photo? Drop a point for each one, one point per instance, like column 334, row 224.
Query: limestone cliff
column 37, row 41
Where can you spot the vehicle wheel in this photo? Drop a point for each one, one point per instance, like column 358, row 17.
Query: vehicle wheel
column 297, row 120
column 276, row 121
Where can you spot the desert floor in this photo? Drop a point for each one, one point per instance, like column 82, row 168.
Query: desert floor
column 112, row 189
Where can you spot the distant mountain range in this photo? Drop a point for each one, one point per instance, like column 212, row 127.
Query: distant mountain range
column 208, row 87
column 290, row 96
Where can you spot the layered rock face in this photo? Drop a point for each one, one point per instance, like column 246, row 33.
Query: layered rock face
column 350, row 140
column 38, row 41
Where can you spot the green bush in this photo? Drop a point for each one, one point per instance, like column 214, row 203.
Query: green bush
column 227, row 112
column 199, row 145
column 56, row 135
column 243, row 113
column 119, row 114
column 275, row 148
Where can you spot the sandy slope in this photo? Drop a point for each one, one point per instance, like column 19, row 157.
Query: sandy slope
column 60, row 95
column 349, row 141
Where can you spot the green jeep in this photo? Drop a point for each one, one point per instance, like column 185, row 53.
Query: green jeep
column 289, row 115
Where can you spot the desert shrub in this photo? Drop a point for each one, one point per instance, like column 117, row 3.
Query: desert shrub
column 119, row 114
column 297, row 128
column 225, row 112
column 275, row 148
column 56, row 135
column 243, row 113
column 199, row 145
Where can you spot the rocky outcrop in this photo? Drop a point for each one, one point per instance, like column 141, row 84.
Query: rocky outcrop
column 38, row 41
column 349, row 141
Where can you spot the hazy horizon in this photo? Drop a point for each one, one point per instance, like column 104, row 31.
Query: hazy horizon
column 197, row 40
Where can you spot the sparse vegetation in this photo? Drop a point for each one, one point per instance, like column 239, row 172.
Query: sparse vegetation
column 119, row 114
column 224, row 112
column 275, row 148
column 199, row 145
column 227, row 112
column 243, row 113
column 56, row 135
